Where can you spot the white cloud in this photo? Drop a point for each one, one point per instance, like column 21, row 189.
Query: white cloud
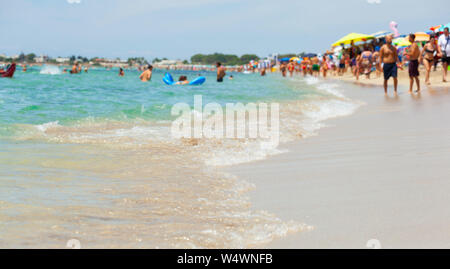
column 374, row 1
column 73, row 1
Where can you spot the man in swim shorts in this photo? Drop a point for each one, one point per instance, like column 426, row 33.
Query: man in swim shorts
column 413, row 53
column 389, row 58
column 147, row 74
column 220, row 72
column 315, row 66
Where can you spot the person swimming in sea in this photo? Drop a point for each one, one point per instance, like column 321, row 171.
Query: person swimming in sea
column 121, row 72
column 182, row 80
column 220, row 72
column 74, row 68
column 147, row 74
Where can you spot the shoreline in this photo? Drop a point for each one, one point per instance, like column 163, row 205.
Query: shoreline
column 364, row 176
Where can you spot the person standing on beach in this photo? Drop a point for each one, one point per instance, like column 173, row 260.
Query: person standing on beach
column 147, row 74
column 358, row 62
column 306, row 66
column 325, row 66
column 283, row 68
column 376, row 60
column 389, row 58
column 413, row 53
column 291, row 68
column 220, row 72
column 444, row 52
column 315, row 66
column 427, row 57
column 366, row 62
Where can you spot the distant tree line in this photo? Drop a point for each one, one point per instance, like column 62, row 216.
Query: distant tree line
column 137, row 60
column 226, row 59
column 22, row 58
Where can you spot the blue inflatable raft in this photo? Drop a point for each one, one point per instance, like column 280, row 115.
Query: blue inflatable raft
column 168, row 79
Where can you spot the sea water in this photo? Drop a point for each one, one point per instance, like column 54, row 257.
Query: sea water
column 91, row 157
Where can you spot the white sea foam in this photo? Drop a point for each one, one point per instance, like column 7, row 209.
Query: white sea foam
column 50, row 70
column 332, row 89
column 311, row 80
column 43, row 127
column 298, row 119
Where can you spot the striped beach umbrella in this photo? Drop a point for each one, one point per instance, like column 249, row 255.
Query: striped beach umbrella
column 381, row 34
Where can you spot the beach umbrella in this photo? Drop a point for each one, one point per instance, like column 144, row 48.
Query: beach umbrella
column 294, row 59
column 421, row 36
column 444, row 26
column 284, row 59
column 401, row 42
column 355, row 37
column 436, row 28
column 381, row 34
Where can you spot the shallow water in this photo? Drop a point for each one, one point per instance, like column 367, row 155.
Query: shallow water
column 91, row 157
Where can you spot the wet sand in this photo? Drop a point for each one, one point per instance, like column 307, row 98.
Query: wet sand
column 382, row 173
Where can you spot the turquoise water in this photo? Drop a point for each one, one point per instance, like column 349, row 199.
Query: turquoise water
column 34, row 98
column 91, row 157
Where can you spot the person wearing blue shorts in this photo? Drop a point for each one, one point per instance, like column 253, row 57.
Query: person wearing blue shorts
column 389, row 58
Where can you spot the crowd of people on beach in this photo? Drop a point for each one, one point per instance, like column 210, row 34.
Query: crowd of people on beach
column 379, row 56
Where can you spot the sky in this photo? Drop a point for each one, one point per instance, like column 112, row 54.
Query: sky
column 178, row 29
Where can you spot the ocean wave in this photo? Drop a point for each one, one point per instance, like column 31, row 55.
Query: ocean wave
column 298, row 119
column 50, row 70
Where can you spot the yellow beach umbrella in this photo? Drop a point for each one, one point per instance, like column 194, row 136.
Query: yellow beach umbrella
column 294, row 59
column 401, row 42
column 421, row 36
column 355, row 37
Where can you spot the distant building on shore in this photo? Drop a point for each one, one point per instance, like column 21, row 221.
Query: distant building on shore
column 62, row 60
column 41, row 59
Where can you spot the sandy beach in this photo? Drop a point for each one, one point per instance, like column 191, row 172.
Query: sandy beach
column 403, row 78
column 381, row 173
